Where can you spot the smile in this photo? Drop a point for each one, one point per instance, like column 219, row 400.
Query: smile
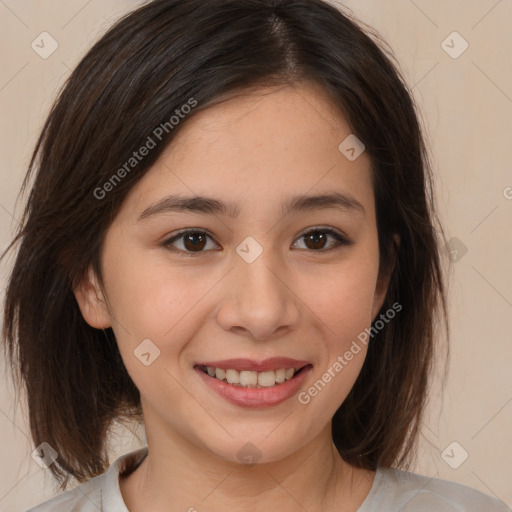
column 254, row 394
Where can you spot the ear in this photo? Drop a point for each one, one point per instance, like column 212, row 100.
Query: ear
column 381, row 288
column 92, row 302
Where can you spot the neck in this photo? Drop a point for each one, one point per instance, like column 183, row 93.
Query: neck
column 179, row 475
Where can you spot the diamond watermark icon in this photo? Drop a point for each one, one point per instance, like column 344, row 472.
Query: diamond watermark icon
column 249, row 249
column 454, row 455
column 456, row 249
column 454, row 45
column 44, row 455
column 146, row 352
column 44, row 45
column 248, row 454
column 351, row 147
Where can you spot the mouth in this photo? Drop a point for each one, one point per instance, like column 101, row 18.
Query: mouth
column 252, row 379
column 251, row 389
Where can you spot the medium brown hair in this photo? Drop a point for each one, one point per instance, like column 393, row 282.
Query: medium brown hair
column 150, row 63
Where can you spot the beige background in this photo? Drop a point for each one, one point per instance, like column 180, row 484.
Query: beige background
column 466, row 104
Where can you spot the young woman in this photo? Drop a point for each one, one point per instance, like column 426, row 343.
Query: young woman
column 231, row 236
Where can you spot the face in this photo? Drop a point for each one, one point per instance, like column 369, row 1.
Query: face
column 254, row 281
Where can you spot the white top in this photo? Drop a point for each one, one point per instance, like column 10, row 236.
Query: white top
column 392, row 490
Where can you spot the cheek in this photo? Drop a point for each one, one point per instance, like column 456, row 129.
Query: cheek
column 341, row 306
column 152, row 298
column 341, row 296
column 152, row 301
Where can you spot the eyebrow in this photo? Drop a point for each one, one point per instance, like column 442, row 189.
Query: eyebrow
column 206, row 205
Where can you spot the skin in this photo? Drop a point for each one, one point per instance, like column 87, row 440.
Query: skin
column 293, row 300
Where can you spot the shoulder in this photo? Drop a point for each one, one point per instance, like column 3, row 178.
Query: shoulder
column 412, row 492
column 84, row 498
column 101, row 493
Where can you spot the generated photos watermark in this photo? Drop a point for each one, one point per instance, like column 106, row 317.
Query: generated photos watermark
column 137, row 156
column 304, row 397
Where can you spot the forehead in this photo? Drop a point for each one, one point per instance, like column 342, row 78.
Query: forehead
column 258, row 148
column 293, row 118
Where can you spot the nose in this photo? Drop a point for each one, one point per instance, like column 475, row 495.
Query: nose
column 258, row 299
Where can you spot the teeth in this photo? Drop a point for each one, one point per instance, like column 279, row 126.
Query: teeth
column 247, row 378
column 250, row 379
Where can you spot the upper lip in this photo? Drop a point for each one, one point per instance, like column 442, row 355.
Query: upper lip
column 273, row 363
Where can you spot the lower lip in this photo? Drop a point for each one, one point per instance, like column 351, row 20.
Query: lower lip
column 256, row 397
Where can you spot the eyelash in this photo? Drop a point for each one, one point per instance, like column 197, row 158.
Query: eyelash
column 340, row 240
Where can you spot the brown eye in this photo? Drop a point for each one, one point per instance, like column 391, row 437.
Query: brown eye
column 191, row 241
column 316, row 239
column 194, row 241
